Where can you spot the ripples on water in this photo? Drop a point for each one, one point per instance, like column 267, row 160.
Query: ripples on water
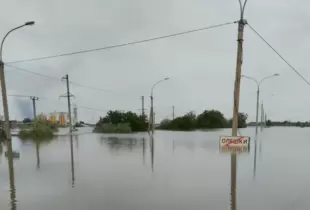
column 173, row 170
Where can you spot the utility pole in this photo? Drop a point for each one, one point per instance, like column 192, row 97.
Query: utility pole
column 143, row 113
column 34, row 99
column 72, row 161
column 258, row 83
column 172, row 112
column 151, row 120
column 152, row 113
column 68, row 95
column 75, row 115
column 6, row 124
column 262, row 117
column 151, row 126
column 7, row 127
column 241, row 23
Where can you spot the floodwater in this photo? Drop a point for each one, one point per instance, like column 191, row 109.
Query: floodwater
column 172, row 171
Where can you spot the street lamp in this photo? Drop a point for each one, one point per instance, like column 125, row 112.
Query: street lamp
column 152, row 107
column 265, row 119
column 258, row 83
column 3, row 85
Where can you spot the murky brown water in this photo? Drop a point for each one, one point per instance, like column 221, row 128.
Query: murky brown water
column 175, row 170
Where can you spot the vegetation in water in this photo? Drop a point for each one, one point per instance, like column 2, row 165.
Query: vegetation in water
column 121, row 122
column 111, row 128
column 126, row 122
column 270, row 123
column 209, row 119
column 38, row 129
column 79, row 124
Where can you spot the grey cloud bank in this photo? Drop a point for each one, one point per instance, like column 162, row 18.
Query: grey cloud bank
column 201, row 65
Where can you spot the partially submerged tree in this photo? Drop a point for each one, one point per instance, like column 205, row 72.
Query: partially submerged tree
column 123, row 122
column 38, row 129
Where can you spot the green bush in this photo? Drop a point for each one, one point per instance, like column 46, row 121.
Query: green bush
column 136, row 122
column 111, row 128
column 209, row 119
column 38, row 130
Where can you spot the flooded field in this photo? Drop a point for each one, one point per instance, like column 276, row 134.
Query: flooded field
column 172, row 171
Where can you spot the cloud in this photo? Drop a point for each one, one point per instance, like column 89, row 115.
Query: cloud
column 201, row 65
column 25, row 108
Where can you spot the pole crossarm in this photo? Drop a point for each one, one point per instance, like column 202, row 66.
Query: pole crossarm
column 34, row 98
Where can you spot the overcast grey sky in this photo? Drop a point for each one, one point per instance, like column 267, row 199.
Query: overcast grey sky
column 201, row 65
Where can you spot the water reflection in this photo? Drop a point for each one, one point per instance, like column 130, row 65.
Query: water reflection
column 76, row 137
column 182, row 181
column 143, row 149
column 11, row 176
column 188, row 144
column 255, row 154
column 72, row 161
column 116, row 143
column 38, row 154
column 192, row 145
column 1, row 151
column 37, row 142
column 152, row 146
column 233, row 186
column 260, row 147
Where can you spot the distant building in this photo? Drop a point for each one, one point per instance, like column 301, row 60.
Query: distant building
column 42, row 116
column 62, row 118
column 53, row 117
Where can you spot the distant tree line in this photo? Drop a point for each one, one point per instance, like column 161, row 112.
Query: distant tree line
column 209, row 119
column 270, row 123
column 121, row 122
column 126, row 122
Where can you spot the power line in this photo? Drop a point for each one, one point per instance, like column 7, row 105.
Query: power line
column 96, row 88
column 63, row 103
column 274, row 50
column 80, row 107
column 54, row 101
column 32, row 72
column 17, row 95
column 94, row 109
column 58, row 79
column 125, row 44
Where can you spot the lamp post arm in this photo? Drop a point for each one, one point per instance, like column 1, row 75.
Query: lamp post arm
column 5, row 38
column 155, row 85
column 265, row 79
column 253, row 79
